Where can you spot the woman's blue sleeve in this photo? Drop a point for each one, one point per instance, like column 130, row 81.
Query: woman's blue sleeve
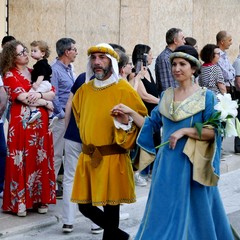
column 151, row 125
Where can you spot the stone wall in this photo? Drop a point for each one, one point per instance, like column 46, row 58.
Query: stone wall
column 2, row 19
column 126, row 22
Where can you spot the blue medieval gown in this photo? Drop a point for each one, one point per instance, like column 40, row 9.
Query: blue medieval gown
column 179, row 208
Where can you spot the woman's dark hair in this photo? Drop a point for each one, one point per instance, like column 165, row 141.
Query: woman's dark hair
column 207, row 53
column 139, row 51
column 117, row 46
column 7, row 39
column 190, row 41
column 123, row 58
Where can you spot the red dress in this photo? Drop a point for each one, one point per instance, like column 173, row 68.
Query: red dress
column 30, row 178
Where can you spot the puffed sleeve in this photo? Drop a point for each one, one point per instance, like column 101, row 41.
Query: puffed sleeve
column 13, row 86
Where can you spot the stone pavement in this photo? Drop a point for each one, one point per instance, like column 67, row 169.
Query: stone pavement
column 48, row 226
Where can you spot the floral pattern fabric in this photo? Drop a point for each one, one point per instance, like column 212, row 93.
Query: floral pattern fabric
column 30, row 178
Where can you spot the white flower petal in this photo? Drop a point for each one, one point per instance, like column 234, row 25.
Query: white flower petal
column 230, row 129
column 226, row 106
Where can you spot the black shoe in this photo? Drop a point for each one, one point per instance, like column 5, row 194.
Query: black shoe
column 67, row 228
column 59, row 194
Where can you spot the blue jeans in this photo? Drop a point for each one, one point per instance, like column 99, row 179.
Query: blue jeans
column 3, row 154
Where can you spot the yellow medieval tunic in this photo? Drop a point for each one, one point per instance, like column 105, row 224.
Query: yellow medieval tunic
column 111, row 182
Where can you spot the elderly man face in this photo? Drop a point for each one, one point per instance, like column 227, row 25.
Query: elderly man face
column 226, row 42
column 179, row 39
column 101, row 66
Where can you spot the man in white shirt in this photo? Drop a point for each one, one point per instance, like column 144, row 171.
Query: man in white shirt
column 224, row 41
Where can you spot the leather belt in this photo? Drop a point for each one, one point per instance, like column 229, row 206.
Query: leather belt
column 96, row 152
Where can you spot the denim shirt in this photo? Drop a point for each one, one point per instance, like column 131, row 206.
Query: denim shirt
column 62, row 79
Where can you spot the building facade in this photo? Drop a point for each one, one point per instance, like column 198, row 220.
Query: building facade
column 125, row 22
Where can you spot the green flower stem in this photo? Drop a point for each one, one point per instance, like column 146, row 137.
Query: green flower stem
column 162, row 144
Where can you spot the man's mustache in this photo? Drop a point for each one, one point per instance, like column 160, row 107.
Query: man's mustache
column 95, row 68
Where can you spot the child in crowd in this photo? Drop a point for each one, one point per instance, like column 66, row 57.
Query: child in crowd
column 41, row 75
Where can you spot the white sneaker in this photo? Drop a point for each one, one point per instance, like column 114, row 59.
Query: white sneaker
column 52, row 121
column 139, row 181
column 95, row 229
column 34, row 116
column 147, row 178
column 123, row 216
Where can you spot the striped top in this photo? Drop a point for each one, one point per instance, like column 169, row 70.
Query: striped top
column 210, row 75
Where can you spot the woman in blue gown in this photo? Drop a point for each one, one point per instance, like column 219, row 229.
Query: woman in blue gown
column 184, row 201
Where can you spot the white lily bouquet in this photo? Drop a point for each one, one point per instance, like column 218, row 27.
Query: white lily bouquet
column 224, row 119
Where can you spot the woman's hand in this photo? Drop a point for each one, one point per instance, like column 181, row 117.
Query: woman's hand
column 121, row 113
column 175, row 137
column 121, row 108
column 141, row 73
column 32, row 97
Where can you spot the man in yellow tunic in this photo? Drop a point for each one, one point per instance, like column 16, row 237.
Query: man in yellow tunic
column 104, row 175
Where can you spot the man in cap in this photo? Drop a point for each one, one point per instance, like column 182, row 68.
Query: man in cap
column 104, row 175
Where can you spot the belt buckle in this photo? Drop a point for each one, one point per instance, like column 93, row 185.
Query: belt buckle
column 91, row 148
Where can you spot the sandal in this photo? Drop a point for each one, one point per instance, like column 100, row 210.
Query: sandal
column 42, row 209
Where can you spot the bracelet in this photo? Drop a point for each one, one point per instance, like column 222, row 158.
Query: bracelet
column 46, row 103
column 41, row 94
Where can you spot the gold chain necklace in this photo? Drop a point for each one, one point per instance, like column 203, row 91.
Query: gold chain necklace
column 102, row 88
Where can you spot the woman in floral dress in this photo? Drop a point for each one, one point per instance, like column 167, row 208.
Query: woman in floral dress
column 30, row 178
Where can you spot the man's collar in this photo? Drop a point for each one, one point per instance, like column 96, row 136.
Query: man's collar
column 103, row 83
column 64, row 65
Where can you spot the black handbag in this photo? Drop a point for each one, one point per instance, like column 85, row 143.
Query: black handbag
column 232, row 90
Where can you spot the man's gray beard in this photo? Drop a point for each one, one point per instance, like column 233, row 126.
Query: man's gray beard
column 100, row 76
